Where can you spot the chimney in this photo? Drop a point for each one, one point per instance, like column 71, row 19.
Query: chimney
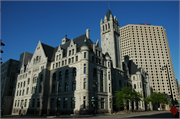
column 87, row 33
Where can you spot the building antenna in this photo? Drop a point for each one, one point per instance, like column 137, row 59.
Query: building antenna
column 108, row 6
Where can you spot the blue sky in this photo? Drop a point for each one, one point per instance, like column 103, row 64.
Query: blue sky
column 24, row 23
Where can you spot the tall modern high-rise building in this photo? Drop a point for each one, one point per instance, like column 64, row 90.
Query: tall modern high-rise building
column 147, row 46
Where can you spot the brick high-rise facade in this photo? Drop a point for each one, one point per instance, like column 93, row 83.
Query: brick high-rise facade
column 148, row 47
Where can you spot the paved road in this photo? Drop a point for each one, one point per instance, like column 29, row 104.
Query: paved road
column 147, row 114
column 153, row 114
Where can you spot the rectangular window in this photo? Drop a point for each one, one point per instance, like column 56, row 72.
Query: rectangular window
column 60, row 87
column 27, row 90
column 24, row 83
column 84, row 54
column 102, row 103
column 21, row 103
column 40, row 88
column 72, row 59
column 53, row 88
column 52, row 102
column 25, row 103
column 69, row 52
column 32, row 91
column 84, row 83
column 59, row 103
column 84, row 70
column 20, row 93
column 33, row 103
column 29, row 102
column 65, row 103
column 92, row 58
column 69, row 60
column 18, row 103
column 73, row 102
column 15, row 103
column 84, row 104
column 76, row 58
column 38, row 103
column 23, row 92
column 72, row 51
column 28, row 80
column 17, row 93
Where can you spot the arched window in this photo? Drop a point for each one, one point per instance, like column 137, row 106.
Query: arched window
column 60, row 87
column 134, row 86
column 84, row 68
column 94, row 72
column 84, row 54
column 103, row 27
column 66, row 86
column 84, row 86
column 74, row 85
column 60, row 75
column 108, row 25
column 69, row 52
column 133, row 78
column 74, row 72
column 28, row 81
column 67, row 73
column 57, row 58
column 109, row 88
column 101, row 74
column 54, row 76
column 37, row 59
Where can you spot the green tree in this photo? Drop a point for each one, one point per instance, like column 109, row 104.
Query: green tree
column 126, row 94
column 156, row 98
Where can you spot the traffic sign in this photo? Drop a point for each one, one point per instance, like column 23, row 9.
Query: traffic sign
column 92, row 99
column 173, row 110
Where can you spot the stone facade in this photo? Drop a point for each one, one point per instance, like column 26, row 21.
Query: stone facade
column 9, row 72
column 65, row 78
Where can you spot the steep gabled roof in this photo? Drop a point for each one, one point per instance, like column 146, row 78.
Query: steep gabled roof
column 48, row 51
column 131, row 66
column 78, row 40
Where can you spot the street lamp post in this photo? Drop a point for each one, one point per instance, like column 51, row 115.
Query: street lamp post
column 171, row 96
column 93, row 101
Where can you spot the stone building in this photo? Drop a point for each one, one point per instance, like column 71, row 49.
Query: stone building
column 66, row 77
column 9, row 72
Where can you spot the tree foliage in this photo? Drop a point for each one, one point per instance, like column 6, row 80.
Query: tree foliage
column 126, row 94
column 156, row 98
